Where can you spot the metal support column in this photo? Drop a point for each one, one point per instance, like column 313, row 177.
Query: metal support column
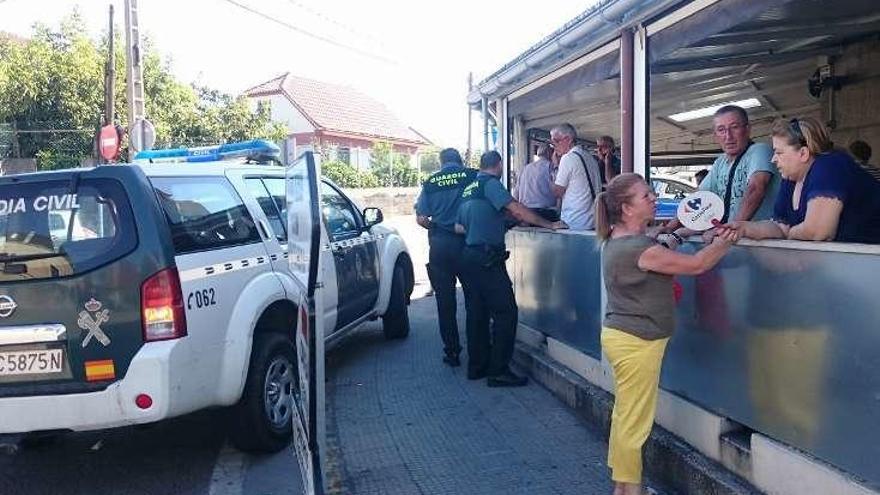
column 504, row 139
column 485, row 110
column 641, row 103
column 626, row 100
column 470, row 113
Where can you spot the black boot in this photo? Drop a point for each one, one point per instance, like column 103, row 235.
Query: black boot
column 452, row 360
column 507, row 379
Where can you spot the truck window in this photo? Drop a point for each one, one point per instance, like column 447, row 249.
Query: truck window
column 338, row 212
column 48, row 230
column 257, row 188
column 204, row 213
column 277, row 190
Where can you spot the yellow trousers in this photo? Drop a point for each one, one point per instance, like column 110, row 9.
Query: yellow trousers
column 636, row 364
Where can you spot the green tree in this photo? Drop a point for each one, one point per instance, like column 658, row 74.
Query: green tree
column 392, row 169
column 429, row 161
column 340, row 172
column 346, row 175
column 51, row 82
column 55, row 81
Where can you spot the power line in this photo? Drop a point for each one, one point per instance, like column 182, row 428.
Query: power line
column 329, row 19
column 312, row 35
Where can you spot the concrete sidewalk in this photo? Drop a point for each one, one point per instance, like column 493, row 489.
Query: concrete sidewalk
column 405, row 423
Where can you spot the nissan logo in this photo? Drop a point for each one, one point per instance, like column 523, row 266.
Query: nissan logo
column 7, row 306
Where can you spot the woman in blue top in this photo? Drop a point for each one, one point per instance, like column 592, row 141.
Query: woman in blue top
column 824, row 196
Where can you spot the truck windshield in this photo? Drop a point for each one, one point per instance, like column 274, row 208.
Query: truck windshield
column 49, row 230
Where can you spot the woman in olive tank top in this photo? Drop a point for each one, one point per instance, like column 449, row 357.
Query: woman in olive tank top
column 639, row 315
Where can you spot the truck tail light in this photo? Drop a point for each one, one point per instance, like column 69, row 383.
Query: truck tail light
column 162, row 307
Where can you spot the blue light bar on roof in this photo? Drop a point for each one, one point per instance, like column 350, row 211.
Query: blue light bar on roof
column 256, row 149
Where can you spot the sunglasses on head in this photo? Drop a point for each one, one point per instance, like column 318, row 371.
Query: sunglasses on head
column 795, row 126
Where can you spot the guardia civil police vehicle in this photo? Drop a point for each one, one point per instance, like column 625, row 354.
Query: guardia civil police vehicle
column 134, row 293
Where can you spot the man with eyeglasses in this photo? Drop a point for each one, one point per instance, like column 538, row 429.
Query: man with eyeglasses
column 578, row 180
column 743, row 176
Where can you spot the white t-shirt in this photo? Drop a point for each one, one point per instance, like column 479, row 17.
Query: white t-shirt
column 577, row 203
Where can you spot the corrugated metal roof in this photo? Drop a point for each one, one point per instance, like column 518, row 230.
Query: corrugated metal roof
column 598, row 6
column 599, row 24
column 769, row 55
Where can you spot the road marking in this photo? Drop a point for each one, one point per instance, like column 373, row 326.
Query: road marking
column 228, row 475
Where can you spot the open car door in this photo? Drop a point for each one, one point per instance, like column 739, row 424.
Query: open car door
column 304, row 238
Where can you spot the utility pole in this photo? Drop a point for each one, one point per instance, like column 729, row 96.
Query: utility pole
column 484, row 105
column 134, row 73
column 470, row 114
column 110, row 77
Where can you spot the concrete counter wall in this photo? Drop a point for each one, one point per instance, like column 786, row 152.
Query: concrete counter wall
column 783, row 337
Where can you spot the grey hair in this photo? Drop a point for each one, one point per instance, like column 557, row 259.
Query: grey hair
column 740, row 111
column 565, row 129
column 544, row 150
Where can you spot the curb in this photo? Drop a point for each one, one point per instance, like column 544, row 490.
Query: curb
column 334, row 471
column 669, row 461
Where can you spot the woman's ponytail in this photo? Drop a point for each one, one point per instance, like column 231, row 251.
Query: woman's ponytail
column 603, row 225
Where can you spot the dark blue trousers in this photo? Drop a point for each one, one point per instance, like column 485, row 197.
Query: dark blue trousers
column 444, row 268
column 491, row 310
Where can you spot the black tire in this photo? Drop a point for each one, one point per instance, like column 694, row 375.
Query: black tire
column 262, row 419
column 395, row 322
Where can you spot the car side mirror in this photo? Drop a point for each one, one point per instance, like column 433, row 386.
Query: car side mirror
column 372, row 216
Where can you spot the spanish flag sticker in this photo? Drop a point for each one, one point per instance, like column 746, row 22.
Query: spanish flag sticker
column 100, row 370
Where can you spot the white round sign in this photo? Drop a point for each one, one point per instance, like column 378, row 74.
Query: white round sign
column 142, row 135
column 700, row 211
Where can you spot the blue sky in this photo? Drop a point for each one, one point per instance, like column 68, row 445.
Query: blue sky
column 413, row 56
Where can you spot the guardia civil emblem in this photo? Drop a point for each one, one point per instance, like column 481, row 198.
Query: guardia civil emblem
column 91, row 320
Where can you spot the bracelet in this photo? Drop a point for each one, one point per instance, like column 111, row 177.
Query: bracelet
column 677, row 238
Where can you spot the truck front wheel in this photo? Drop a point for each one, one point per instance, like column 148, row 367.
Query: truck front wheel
column 395, row 322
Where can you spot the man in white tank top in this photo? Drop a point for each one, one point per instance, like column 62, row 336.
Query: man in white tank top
column 578, row 181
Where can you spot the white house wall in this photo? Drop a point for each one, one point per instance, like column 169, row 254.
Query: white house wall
column 284, row 112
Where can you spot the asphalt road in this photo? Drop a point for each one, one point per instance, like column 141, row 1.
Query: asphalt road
column 188, row 455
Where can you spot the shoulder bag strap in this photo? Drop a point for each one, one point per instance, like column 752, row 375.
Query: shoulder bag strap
column 586, row 171
column 727, row 198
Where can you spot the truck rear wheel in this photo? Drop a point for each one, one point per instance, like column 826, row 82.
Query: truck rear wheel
column 261, row 421
column 395, row 322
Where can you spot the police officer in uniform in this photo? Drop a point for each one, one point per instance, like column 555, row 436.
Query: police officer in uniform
column 488, row 291
column 436, row 209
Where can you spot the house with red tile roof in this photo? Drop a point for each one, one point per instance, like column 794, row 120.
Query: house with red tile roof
column 332, row 117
